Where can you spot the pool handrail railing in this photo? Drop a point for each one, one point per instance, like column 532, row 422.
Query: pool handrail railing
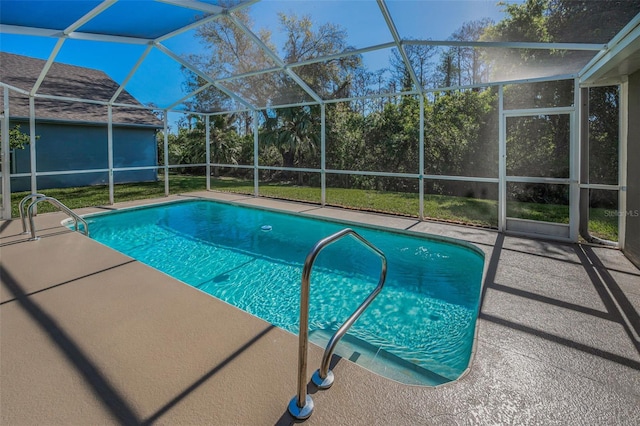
column 21, row 209
column 56, row 203
column 301, row 405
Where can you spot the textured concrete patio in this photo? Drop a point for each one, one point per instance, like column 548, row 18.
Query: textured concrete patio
column 90, row 336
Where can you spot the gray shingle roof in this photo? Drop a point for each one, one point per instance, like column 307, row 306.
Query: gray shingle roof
column 69, row 81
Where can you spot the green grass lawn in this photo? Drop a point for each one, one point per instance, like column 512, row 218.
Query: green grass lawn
column 465, row 210
column 98, row 195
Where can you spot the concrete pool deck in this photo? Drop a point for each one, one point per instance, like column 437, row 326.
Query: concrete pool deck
column 91, row 336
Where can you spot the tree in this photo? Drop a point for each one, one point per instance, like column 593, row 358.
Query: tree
column 187, row 146
column 229, row 51
column 543, row 141
column 392, row 137
column 360, row 87
column 447, row 71
column 588, row 21
column 457, row 137
column 471, row 69
column 584, row 21
column 18, row 139
column 295, row 132
column 328, row 79
column 345, row 144
column 526, row 22
column 420, row 59
column 226, row 145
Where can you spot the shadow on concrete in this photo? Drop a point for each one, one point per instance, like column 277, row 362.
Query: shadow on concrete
column 27, row 237
column 618, row 307
column 4, row 225
column 617, row 303
column 563, row 341
column 28, row 234
column 121, row 411
column 169, row 405
column 554, row 302
column 25, row 295
column 107, row 208
column 287, row 419
column 104, row 392
column 492, row 268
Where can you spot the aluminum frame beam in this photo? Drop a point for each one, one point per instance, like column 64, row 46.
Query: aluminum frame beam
column 398, row 41
column 131, row 74
column 625, row 37
column 195, row 5
column 217, row 12
column 276, row 59
column 6, row 152
column 203, row 75
column 507, row 44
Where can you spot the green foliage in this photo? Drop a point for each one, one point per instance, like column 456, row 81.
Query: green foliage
column 386, row 140
column 18, row 139
column 538, row 146
column 525, row 22
column 227, row 145
column 188, row 145
column 589, row 21
column 461, row 128
column 461, row 134
column 382, row 134
column 295, row 133
column 603, row 134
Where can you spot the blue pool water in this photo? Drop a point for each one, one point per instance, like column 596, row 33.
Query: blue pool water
column 419, row 329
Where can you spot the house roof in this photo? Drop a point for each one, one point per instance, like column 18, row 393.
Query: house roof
column 69, row 81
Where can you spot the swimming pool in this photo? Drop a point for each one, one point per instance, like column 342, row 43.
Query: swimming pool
column 419, row 330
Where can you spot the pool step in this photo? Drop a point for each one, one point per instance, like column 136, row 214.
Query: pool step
column 379, row 360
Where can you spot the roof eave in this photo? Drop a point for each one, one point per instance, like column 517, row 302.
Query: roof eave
column 620, row 58
column 85, row 123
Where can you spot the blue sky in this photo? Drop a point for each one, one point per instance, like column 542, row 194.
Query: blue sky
column 157, row 80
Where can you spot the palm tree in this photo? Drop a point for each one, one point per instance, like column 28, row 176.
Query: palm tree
column 295, row 132
column 226, row 144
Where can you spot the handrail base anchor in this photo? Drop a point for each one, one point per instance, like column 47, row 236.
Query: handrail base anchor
column 323, row 383
column 301, row 413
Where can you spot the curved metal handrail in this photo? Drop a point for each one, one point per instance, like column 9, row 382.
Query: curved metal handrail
column 301, row 405
column 60, row 206
column 23, row 216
